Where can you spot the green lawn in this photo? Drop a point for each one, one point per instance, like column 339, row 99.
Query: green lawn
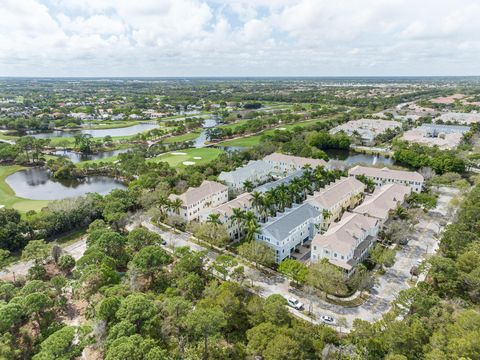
column 182, row 138
column 206, row 155
column 7, row 137
column 248, row 141
column 7, row 195
column 254, row 140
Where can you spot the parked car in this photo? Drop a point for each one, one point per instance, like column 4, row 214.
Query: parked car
column 164, row 242
column 328, row 319
column 294, row 303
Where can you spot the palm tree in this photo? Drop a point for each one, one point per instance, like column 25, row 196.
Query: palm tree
column 214, row 219
column 248, row 186
column 237, row 218
column 175, row 205
column 252, row 228
column 267, row 208
column 257, row 200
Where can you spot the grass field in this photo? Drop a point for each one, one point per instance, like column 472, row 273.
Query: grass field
column 254, row 140
column 7, row 195
column 206, row 155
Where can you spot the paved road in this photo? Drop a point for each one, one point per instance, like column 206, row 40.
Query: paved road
column 75, row 249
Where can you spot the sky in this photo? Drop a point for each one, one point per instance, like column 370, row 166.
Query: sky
column 239, row 37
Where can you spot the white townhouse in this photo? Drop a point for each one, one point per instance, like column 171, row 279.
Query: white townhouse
column 256, row 171
column 385, row 176
column 383, row 200
column 283, row 164
column 194, row 200
column 234, row 229
column 290, row 229
column 346, row 243
column 337, row 197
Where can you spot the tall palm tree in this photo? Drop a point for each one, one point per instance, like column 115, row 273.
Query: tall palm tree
column 252, row 228
column 257, row 200
column 237, row 218
column 248, row 186
column 214, row 219
column 175, row 205
column 267, row 208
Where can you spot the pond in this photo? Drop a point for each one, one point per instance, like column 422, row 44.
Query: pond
column 209, row 123
column 350, row 158
column 37, row 184
column 99, row 133
column 76, row 157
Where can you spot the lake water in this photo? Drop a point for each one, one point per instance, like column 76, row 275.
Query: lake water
column 350, row 158
column 209, row 123
column 77, row 157
column 100, row 133
column 37, row 184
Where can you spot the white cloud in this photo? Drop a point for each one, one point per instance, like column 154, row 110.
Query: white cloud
column 265, row 37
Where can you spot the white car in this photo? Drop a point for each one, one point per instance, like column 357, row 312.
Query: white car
column 294, row 303
column 328, row 319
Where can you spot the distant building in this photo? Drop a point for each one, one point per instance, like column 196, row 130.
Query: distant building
column 290, row 229
column 256, row 171
column 383, row 201
column 194, row 200
column 287, row 164
column 460, row 118
column 346, row 243
column 337, row 197
column 385, row 176
column 242, row 202
column 368, row 129
column 443, row 136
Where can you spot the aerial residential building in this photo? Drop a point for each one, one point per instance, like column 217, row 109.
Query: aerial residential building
column 290, row 230
column 443, row 136
column 459, row 118
column 256, row 171
column 368, row 129
column 226, row 210
column 383, row 201
column 337, row 197
column 194, row 200
column 385, row 176
column 283, row 181
column 346, row 243
column 286, row 164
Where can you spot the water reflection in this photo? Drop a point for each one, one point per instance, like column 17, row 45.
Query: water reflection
column 99, row 133
column 37, row 184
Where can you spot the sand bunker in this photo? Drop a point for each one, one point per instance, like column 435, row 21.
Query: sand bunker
column 283, row 129
column 178, row 153
column 197, row 157
column 188, row 163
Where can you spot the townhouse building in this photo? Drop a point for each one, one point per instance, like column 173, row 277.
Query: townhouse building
column 226, row 210
column 256, row 171
column 384, row 176
column 337, row 197
column 291, row 229
column 209, row 194
column 346, row 243
column 383, row 201
column 283, row 164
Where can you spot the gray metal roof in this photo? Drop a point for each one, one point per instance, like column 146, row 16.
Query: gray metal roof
column 281, row 226
column 274, row 184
